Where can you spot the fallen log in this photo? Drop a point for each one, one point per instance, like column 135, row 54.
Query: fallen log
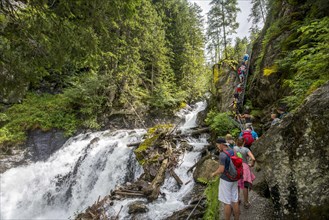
column 129, row 193
column 194, row 132
column 200, row 131
column 134, row 144
column 176, row 177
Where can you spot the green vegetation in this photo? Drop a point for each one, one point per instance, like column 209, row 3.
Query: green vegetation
column 221, row 124
column 102, row 58
column 37, row 111
column 299, row 48
column 211, row 192
column 309, row 61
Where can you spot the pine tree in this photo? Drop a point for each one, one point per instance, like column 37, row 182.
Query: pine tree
column 222, row 22
column 259, row 12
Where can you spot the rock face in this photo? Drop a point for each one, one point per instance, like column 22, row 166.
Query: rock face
column 295, row 158
column 205, row 169
column 39, row 146
column 225, row 86
column 43, row 144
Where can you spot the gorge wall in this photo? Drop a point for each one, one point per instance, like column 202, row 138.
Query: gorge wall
column 295, row 157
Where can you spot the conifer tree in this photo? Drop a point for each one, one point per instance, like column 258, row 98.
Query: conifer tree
column 222, row 19
column 259, row 12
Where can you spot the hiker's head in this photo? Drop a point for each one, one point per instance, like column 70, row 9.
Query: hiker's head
column 228, row 137
column 221, row 143
column 273, row 116
column 248, row 126
column 240, row 142
column 281, row 110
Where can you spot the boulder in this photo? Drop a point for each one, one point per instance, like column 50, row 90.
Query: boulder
column 294, row 156
column 137, row 207
column 204, row 170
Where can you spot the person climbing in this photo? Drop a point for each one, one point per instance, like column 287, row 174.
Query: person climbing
column 246, row 58
column 239, row 88
column 230, row 141
column 281, row 112
column 275, row 119
column 246, row 181
column 240, row 74
column 246, row 117
column 228, row 189
column 248, row 135
column 235, row 106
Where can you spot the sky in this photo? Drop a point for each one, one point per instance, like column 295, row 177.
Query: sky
column 242, row 18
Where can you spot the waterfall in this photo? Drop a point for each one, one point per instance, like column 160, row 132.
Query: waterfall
column 87, row 167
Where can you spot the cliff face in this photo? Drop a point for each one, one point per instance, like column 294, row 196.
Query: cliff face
column 295, row 158
column 226, row 81
column 287, row 57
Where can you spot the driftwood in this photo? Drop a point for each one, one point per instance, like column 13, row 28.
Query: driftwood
column 157, row 181
column 176, row 177
column 134, row 144
column 129, row 193
column 200, row 131
column 94, row 212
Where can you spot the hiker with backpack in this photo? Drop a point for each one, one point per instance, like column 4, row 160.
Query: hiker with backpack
column 245, row 182
column 248, row 135
column 230, row 170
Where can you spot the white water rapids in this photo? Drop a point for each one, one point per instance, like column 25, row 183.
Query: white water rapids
column 88, row 166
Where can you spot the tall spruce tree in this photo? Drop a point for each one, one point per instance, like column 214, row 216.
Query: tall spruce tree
column 222, row 17
column 258, row 13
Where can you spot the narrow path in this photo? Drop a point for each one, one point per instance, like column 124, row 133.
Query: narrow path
column 261, row 208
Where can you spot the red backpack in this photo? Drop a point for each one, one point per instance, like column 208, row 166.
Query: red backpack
column 235, row 168
column 248, row 139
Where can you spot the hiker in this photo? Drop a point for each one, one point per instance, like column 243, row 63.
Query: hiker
column 239, row 88
column 281, row 112
column 245, row 182
column 246, row 116
column 248, row 135
column 246, row 58
column 242, row 73
column 235, row 106
column 228, row 189
column 230, row 141
column 275, row 119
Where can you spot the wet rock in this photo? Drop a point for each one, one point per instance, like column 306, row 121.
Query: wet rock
column 16, row 158
column 295, row 158
column 137, row 207
column 42, row 144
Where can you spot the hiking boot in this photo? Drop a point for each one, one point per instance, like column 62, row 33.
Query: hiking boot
column 246, row 205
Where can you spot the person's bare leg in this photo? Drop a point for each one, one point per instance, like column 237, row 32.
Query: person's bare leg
column 236, row 210
column 227, row 211
column 245, row 195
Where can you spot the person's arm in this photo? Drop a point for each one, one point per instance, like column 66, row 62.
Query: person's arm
column 220, row 170
column 254, row 135
column 252, row 158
